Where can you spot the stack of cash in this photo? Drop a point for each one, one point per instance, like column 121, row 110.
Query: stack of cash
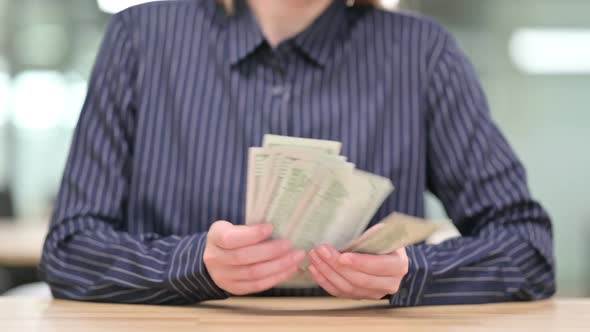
column 312, row 196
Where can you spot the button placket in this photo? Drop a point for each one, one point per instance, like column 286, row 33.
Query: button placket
column 280, row 90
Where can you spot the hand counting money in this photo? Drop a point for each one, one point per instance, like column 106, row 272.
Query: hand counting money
column 312, row 196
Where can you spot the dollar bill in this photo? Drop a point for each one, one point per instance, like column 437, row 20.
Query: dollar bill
column 368, row 193
column 394, row 232
column 259, row 162
column 286, row 163
column 301, row 279
column 335, row 187
column 324, row 146
column 292, row 186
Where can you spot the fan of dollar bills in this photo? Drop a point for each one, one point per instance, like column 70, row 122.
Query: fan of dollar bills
column 312, row 196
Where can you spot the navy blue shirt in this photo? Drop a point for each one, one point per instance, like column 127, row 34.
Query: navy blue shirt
column 179, row 92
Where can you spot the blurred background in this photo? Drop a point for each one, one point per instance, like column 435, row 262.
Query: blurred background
column 533, row 57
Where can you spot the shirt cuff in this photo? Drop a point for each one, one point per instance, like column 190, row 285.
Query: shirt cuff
column 188, row 275
column 414, row 282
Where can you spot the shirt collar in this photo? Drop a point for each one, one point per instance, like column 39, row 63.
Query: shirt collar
column 243, row 33
column 325, row 33
column 317, row 41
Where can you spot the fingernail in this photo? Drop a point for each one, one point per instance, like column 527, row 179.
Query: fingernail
column 325, row 252
column 299, row 255
column 267, row 229
column 346, row 260
column 314, row 256
column 286, row 245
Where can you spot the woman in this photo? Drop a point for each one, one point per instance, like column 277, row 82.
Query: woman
column 181, row 89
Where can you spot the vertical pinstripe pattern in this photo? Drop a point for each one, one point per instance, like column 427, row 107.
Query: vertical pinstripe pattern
column 180, row 91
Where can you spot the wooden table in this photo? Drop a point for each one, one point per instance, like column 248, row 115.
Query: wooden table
column 21, row 243
column 291, row 314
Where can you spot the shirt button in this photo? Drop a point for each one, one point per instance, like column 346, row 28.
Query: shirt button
column 276, row 90
column 277, row 67
column 279, row 70
column 403, row 293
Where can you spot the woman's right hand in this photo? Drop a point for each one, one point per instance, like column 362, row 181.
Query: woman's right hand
column 241, row 261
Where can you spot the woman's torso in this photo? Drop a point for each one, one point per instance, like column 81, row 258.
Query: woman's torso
column 208, row 88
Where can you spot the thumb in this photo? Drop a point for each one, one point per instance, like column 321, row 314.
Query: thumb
column 228, row 236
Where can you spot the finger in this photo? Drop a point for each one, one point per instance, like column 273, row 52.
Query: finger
column 358, row 278
column 389, row 285
column 229, row 236
column 257, row 286
column 257, row 253
column 268, row 268
column 332, row 289
column 323, row 282
column 379, row 265
column 330, row 274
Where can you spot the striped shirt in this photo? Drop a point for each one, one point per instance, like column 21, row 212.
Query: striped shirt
column 179, row 92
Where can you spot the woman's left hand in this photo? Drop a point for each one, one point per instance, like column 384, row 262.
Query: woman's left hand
column 358, row 276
